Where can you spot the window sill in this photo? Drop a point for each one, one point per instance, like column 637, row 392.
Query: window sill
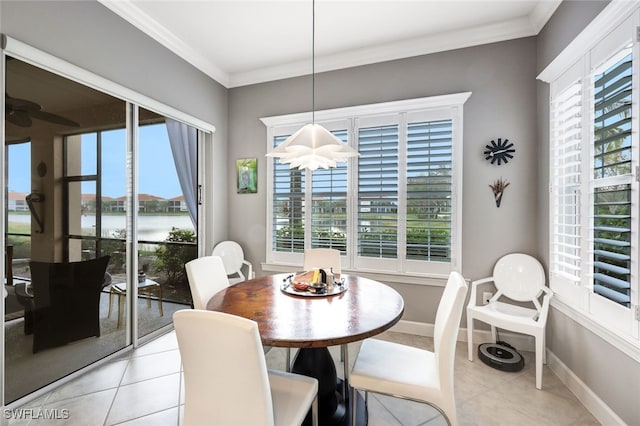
column 435, row 280
column 625, row 344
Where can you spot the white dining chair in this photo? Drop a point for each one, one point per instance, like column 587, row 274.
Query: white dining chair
column 518, row 278
column 226, row 381
column 234, row 262
column 322, row 258
column 412, row 373
column 206, row 276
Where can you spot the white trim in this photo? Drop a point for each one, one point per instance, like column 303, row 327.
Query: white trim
column 46, row 61
column 611, row 16
column 626, row 345
column 507, row 30
column 139, row 19
column 408, row 105
column 468, row 37
column 600, row 410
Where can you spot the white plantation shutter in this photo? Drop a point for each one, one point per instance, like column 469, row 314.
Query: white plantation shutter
column 612, row 174
column 329, row 205
column 566, row 131
column 288, row 206
column 378, row 191
column 394, row 209
column 429, row 190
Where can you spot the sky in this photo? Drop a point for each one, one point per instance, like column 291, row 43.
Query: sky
column 157, row 173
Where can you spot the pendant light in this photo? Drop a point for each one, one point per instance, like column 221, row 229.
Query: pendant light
column 313, row 146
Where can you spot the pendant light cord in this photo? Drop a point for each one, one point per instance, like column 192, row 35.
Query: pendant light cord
column 313, row 63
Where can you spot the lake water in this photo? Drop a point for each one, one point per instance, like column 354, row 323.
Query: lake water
column 150, row 227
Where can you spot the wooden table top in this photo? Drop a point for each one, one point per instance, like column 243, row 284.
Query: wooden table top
column 365, row 309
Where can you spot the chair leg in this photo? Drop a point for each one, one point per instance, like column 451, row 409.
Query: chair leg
column 539, row 357
column 287, row 365
column 345, row 365
column 160, row 307
column 314, row 411
column 110, row 304
column 470, row 336
column 354, row 406
column 494, row 333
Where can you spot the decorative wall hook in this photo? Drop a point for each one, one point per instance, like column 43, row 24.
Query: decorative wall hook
column 36, row 197
column 498, row 188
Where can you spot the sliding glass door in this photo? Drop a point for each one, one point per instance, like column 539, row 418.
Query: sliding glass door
column 100, row 217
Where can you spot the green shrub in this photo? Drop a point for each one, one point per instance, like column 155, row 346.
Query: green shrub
column 172, row 256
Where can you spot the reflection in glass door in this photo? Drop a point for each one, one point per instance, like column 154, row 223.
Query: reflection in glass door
column 60, row 279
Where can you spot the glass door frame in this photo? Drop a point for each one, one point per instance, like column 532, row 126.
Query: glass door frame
column 134, row 100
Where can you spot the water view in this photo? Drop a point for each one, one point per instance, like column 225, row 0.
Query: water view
column 150, row 227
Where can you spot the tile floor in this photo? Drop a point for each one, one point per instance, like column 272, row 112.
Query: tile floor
column 144, row 387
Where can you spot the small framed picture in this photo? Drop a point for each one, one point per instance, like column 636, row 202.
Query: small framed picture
column 247, row 172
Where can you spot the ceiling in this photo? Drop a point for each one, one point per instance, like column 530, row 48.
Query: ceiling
column 241, row 42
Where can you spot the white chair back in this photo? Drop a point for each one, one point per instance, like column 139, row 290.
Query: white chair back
column 225, row 372
column 445, row 333
column 206, row 277
column 233, row 258
column 322, row 258
column 520, row 277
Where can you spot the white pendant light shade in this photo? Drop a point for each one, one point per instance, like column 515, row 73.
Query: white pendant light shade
column 312, row 147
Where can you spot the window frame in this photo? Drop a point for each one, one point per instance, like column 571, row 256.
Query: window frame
column 432, row 108
column 585, row 55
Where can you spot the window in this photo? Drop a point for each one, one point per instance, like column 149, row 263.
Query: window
column 394, row 208
column 594, row 184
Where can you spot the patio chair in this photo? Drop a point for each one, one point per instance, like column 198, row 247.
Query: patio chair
column 66, row 301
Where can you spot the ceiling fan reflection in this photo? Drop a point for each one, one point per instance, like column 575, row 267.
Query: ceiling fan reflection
column 21, row 111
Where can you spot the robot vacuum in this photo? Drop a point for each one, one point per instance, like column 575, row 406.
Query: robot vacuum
column 501, row 356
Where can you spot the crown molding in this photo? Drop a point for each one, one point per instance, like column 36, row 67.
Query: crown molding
column 516, row 28
column 139, row 19
column 469, row 37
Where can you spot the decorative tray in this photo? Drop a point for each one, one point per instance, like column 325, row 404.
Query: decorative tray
column 292, row 287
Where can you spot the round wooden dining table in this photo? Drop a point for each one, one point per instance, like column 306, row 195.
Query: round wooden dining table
column 312, row 323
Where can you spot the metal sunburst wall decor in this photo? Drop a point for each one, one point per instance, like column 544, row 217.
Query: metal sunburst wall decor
column 498, row 188
column 502, row 151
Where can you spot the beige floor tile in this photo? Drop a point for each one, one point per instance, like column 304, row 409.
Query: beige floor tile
column 107, row 377
column 151, row 392
column 407, row 412
column 153, row 365
column 84, row 410
column 166, row 342
column 379, row 415
column 166, row 417
column 145, row 398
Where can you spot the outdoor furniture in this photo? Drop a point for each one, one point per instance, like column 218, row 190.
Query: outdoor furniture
column 66, row 301
column 147, row 288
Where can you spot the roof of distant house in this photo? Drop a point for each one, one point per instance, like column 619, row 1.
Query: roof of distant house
column 14, row 195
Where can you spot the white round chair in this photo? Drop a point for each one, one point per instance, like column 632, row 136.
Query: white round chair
column 233, row 259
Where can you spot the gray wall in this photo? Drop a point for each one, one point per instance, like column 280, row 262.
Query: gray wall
column 501, row 77
column 617, row 380
column 87, row 34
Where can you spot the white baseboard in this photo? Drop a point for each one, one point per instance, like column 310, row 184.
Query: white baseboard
column 590, row 400
column 587, row 397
